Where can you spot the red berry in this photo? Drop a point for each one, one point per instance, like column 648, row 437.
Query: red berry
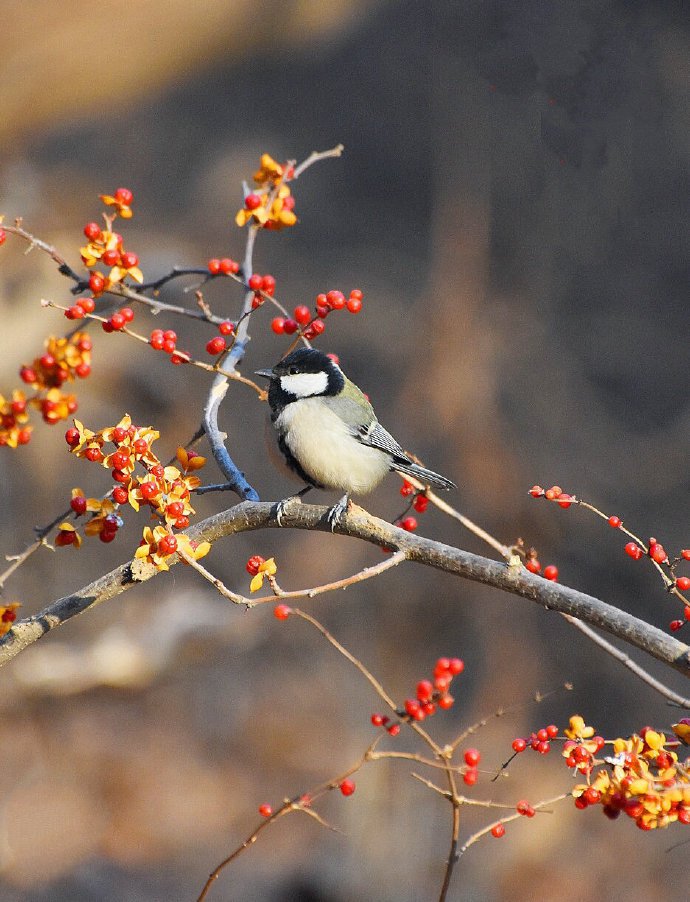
column 117, row 321
column 472, row 757
column 615, row 521
column 253, row 564
column 282, row 611
column 65, row 537
column 316, row 328
column 354, row 305
column 543, row 748
column 47, row 361
column 255, row 282
column 268, row 283
column 92, row 231
column 74, row 312
column 78, row 504
column 591, row 795
column 519, row 745
column 683, row 583
column 420, row 503
column 378, row 720
column 551, row 572
column 156, row 339
column 356, row 294
column 88, row 305
column 229, row 267
column 124, row 196
column 657, row 553
column 290, row 326
column 498, row 830
column 393, row 729
column 536, row 491
column 565, row 500
column 278, row 325
column 409, row 524
column 226, row 328
column 252, row 201
column 257, row 301
column 456, row 666
column 214, row 266
column 633, row 550
column 523, row 807
column 95, row 455
column 425, row 690
column 470, row 776
column 445, row 702
column 412, row 707
column 96, row 282
column 167, row 545
column 72, row 437
column 302, row 314
column 128, row 314
column 335, row 300
column 27, row 374
column 148, row 490
column 168, row 345
column 406, row 489
column 119, row 494
column 685, row 554
column 110, row 257
column 215, row 345
column 265, row 810
column 177, row 358
column 533, row 565
column 552, row 731
column 119, row 434
column 347, row 787
column 675, row 625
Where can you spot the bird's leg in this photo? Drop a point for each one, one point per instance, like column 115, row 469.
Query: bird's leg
column 282, row 506
column 336, row 513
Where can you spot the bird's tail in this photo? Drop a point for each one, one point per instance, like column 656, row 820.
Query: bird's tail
column 424, row 475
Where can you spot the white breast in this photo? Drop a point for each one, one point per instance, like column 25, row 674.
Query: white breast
column 326, row 449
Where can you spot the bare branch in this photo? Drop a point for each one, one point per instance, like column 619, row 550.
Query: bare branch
column 359, row 524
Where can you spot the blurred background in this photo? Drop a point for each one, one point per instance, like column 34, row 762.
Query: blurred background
column 513, row 202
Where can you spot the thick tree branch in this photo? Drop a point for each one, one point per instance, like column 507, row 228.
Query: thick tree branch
column 359, row 524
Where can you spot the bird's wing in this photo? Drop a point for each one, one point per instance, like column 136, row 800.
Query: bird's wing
column 375, row 436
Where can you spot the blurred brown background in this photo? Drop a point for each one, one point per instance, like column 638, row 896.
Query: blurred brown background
column 512, row 201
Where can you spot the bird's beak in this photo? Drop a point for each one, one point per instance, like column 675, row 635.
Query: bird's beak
column 267, row 374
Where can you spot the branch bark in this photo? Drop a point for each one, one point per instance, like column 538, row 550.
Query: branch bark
column 251, row 515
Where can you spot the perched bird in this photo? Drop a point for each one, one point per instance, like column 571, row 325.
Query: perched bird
column 328, row 433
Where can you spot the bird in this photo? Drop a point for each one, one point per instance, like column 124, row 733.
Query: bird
column 328, row 433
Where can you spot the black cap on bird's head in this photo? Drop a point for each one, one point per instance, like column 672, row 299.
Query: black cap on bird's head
column 305, row 373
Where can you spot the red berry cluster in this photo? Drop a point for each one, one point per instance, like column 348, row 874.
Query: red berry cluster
column 217, row 345
column 580, row 754
column 64, row 360
column 167, row 341
column 3, row 236
column 430, row 696
column 311, row 323
column 223, row 267
column 118, row 320
column 419, row 503
column 81, row 308
column 539, row 741
column 555, row 493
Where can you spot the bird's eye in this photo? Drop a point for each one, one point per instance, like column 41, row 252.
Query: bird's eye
column 293, row 370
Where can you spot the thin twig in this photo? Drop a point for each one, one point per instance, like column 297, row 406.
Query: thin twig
column 471, row 840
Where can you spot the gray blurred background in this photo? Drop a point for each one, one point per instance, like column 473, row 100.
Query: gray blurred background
column 513, row 203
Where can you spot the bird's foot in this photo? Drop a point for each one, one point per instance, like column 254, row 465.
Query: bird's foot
column 337, row 512
column 282, row 506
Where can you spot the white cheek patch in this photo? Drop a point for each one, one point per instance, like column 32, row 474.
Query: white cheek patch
column 304, row 385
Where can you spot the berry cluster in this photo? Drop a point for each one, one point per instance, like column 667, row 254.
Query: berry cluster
column 429, row 697
column 643, row 779
column 64, row 360
column 166, row 341
column 271, row 205
column 223, row 267
column 80, row 308
column 118, row 320
column 419, row 502
column 106, row 247
column 165, row 490
column 538, row 742
column 311, row 323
